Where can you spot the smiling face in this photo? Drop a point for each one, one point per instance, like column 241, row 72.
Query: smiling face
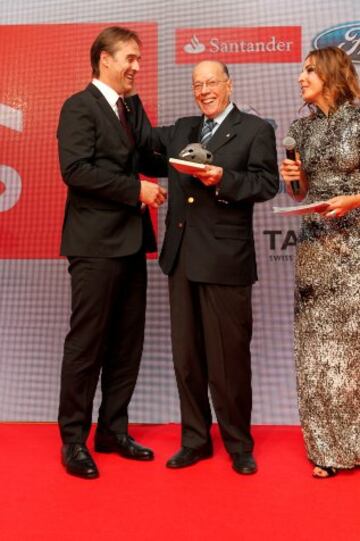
column 119, row 69
column 212, row 88
column 312, row 87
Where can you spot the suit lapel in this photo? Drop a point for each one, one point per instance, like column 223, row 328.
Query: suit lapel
column 226, row 131
column 188, row 136
column 109, row 113
column 194, row 132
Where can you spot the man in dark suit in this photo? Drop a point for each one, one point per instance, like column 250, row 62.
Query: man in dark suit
column 107, row 231
column 209, row 255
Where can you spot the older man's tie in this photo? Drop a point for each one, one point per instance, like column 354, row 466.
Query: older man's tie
column 206, row 131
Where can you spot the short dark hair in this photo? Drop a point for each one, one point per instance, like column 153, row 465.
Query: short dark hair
column 107, row 41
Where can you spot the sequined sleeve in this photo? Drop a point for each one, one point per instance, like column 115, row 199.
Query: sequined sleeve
column 295, row 131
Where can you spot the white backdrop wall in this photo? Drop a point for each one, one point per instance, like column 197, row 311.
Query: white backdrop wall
column 34, row 291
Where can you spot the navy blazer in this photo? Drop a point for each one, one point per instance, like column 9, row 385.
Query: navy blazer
column 219, row 239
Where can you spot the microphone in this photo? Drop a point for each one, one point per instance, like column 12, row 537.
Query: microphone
column 289, row 144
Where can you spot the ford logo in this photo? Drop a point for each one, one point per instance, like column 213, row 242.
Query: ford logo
column 345, row 36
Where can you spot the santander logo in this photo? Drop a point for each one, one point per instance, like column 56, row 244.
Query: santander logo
column 194, row 46
column 239, row 44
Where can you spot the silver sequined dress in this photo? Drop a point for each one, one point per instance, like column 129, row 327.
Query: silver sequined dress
column 327, row 294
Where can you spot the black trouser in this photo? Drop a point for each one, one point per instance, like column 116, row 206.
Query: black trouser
column 106, row 332
column 211, row 333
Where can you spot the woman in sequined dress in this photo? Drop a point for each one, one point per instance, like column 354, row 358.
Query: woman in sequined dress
column 327, row 270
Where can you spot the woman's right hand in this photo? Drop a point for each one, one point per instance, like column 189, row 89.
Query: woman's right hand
column 290, row 170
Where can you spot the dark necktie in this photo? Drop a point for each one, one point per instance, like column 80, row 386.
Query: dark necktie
column 123, row 119
column 206, row 131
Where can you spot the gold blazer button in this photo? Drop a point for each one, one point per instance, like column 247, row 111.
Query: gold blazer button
column 190, row 200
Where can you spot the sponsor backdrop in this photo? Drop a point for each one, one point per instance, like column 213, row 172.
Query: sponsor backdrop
column 44, row 53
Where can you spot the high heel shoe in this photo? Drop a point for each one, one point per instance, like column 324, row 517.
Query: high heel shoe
column 323, row 472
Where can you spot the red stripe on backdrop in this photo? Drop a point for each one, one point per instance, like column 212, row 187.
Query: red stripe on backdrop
column 146, row 501
column 42, row 65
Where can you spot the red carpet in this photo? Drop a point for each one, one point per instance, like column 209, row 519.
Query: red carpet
column 145, row 501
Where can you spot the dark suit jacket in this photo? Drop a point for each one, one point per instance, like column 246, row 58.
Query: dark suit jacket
column 218, row 222
column 99, row 165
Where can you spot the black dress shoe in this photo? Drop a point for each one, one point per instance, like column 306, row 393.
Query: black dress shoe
column 187, row 456
column 122, row 444
column 78, row 461
column 244, row 463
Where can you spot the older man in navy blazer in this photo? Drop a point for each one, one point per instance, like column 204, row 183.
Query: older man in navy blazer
column 209, row 255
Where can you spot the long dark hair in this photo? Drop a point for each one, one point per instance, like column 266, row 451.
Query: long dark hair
column 335, row 69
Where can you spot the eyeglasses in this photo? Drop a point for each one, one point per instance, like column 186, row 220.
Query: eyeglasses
column 210, row 85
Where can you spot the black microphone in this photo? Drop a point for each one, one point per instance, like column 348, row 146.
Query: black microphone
column 289, row 145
